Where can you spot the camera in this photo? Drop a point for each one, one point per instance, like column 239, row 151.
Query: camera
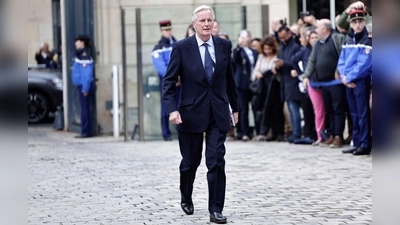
column 304, row 14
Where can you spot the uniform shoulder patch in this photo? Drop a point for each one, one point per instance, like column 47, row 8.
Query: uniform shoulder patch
column 367, row 51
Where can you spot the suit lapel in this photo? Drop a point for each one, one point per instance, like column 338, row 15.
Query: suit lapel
column 195, row 53
column 218, row 49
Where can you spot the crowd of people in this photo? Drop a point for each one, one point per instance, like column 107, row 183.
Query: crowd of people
column 301, row 83
column 304, row 81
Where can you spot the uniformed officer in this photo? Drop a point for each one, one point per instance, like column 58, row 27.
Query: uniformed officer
column 355, row 67
column 160, row 56
column 82, row 77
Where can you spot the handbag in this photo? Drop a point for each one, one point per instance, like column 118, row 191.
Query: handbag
column 256, row 86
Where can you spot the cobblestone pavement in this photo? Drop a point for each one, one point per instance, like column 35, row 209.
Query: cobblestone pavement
column 103, row 180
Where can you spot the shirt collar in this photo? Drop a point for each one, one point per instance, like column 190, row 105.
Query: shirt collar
column 323, row 41
column 209, row 42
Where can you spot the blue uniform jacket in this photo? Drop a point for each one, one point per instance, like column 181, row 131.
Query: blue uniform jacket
column 355, row 61
column 83, row 76
column 161, row 55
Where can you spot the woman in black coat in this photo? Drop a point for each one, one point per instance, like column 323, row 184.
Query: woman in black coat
column 267, row 103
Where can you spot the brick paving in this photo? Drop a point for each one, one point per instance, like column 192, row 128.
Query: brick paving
column 103, row 180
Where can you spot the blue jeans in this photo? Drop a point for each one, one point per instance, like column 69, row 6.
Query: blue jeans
column 295, row 119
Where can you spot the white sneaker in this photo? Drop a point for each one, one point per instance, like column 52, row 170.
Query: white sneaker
column 316, row 143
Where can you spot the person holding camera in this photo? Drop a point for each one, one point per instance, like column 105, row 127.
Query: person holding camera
column 344, row 19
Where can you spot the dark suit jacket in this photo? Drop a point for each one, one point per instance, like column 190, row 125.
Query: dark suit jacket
column 198, row 97
column 242, row 67
column 289, row 85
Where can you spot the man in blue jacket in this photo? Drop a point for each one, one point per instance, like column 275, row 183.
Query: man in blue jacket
column 82, row 77
column 355, row 67
column 289, row 85
column 161, row 56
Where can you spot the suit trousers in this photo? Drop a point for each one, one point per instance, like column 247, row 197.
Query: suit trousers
column 308, row 116
column 191, row 145
column 244, row 100
column 358, row 99
column 86, row 112
column 335, row 107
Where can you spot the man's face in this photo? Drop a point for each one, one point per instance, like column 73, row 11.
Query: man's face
column 357, row 25
column 167, row 33
column 284, row 36
column 320, row 31
column 79, row 44
column 313, row 38
column 204, row 24
column 215, row 30
column 255, row 44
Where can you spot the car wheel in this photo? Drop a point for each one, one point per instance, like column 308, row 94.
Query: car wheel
column 38, row 107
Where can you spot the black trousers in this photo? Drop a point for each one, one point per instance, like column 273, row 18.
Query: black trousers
column 273, row 112
column 335, row 107
column 191, row 145
column 308, row 116
column 244, row 99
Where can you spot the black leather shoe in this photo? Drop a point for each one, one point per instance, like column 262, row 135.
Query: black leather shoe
column 351, row 150
column 187, row 205
column 217, row 217
column 362, row 151
column 167, row 139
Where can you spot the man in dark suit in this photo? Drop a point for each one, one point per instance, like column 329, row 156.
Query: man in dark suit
column 204, row 65
column 244, row 59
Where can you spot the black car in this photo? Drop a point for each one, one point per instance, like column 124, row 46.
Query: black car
column 45, row 93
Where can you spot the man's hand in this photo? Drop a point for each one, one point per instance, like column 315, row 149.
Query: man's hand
column 259, row 75
column 355, row 5
column 310, row 19
column 294, row 73
column 175, row 117
column 85, row 94
column 306, row 82
column 279, row 64
column 344, row 80
column 236, row 117
column 274, row 71
column 337, row 76
column 351, row 85
column 177, row 84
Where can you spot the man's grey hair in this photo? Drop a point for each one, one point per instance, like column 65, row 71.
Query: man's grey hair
column 328, row 26
column 201, row 8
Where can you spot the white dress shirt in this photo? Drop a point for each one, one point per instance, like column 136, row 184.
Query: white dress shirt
column 202, row 49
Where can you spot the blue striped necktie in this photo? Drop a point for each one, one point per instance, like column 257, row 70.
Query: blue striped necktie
column 208, row 63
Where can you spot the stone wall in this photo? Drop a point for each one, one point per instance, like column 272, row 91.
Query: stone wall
column 40, row 26
column 108, row 44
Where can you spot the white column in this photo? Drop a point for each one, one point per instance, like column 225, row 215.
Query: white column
column 64, row 63
column 115, row 85
column 333, row 10
column 304, row 5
